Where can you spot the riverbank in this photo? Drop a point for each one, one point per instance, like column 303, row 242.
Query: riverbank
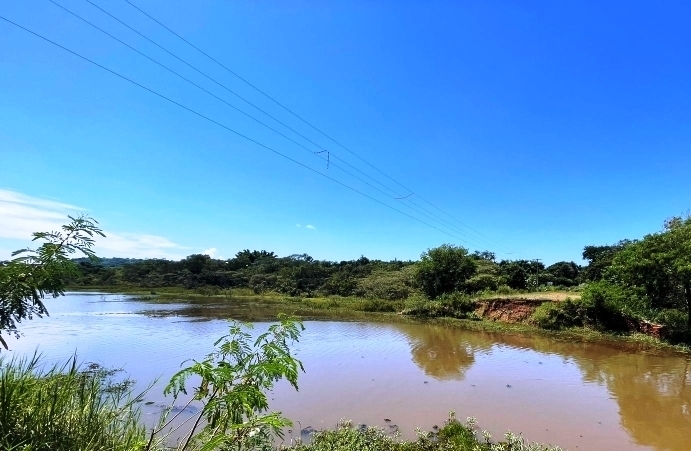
column 505, row 313
column 376, row 366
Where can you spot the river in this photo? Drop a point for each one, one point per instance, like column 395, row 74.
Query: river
column 581, row 396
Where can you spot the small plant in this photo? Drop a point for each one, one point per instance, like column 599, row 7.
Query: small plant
column 232, row 383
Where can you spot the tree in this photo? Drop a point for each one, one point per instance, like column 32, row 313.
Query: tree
column 565, row 273
column 445, row 269
column 659, row 265
column 36, row 273
column 599, row 259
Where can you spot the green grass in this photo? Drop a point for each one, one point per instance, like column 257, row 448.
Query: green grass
column 65, row 408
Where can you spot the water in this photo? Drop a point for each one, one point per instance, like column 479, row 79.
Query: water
column 582, row 396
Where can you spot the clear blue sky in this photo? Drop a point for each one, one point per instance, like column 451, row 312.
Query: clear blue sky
column 545, row 126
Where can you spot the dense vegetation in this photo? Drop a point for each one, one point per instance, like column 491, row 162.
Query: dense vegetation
column 641, row 284
column 441, row 270
column 632, row 285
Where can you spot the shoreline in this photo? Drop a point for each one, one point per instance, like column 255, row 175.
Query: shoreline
column 352, row 308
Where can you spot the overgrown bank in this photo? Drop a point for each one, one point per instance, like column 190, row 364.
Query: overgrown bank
column 634, row 286
column 517, row 313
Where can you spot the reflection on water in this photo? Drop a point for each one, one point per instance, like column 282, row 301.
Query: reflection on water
column 438, row 351
column 595, row 396
column 652, row 391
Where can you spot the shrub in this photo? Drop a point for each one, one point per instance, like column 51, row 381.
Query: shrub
column 482, row 282
column 260, row 283
column 609, row 305
column 674, row 319
column 445, row 269
column 390, row 285
column 555, row 316
column 453, row 436
column 378, row 305
column 454, row 305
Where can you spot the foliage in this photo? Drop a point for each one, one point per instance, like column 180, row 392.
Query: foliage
column 453, row 436
column 659, row 266
column 36, row 273
column 452, row 305
column 607, row 300
column 600, row 259
column 232, row 383
column 66, row 408
column 381, row 306
column 445, row 269
column 389, row 285
column 565, row 274
column 562, row 315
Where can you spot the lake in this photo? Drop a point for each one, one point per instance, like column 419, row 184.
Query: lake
column 581, row 396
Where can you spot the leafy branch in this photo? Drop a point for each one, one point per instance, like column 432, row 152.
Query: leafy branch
column 36, row 273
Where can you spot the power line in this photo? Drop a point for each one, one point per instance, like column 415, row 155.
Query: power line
column 307, row 122
column 430, row 215
column 226, row 88
column 223, row 126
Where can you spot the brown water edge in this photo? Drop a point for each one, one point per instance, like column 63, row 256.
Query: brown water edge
column 501, row 315
column 650, row 387
column 581, row 395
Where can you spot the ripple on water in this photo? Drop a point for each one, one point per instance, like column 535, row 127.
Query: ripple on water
column 580, row 395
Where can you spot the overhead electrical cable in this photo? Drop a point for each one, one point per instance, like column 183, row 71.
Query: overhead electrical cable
column 321, row 148
column 430, row 215
column 308, row 123
column 123, row 77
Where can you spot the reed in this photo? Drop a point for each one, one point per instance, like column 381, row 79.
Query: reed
column 66, row 407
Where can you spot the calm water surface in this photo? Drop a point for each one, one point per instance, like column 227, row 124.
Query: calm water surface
column 582, row 396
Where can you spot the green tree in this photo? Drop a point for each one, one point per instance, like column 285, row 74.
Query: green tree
column 36, row 273
column 599, row 259
column 659, row 265
column 445, row 269
column 564, row 273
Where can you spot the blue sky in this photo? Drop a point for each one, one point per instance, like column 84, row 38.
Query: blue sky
column 544, row 126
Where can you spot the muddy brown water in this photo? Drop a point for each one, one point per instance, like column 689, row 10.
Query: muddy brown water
column 582, row 396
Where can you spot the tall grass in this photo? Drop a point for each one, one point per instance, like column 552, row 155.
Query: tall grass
column 65, row 408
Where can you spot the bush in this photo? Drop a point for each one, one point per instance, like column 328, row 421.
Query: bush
column 390, row 285
column 609, row 306
column 482, row 282
column 261, row 283
column 453, row 436
column 378, row 305
column 674, row 319
column 454, row 305
column 555, row 316
column 445, row 269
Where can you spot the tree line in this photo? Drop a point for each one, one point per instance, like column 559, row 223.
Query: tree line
column 647, row 279
column 440, row 270
column 642, row 280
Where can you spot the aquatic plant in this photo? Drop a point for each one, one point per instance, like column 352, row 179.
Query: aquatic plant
column 453, row 436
